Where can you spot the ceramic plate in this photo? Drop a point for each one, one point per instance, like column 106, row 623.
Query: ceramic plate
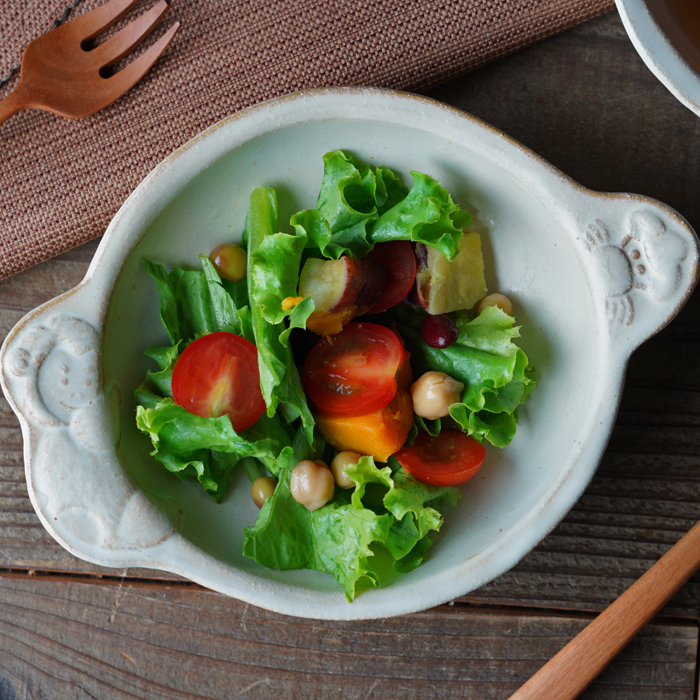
column 591, row 276
column 665, row 46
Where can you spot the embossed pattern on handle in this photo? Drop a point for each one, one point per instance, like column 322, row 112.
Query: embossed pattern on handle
column 646, row 255
column 74, row 474
column 645, row 263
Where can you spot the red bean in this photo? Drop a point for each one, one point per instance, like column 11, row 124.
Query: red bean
column 439, row 331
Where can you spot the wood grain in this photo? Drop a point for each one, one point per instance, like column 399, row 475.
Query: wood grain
column 73, row 640
column 59, row 76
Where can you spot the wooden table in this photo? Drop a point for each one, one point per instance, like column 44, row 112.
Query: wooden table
column 70, row 630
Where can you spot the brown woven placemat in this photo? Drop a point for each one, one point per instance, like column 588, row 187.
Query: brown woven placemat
column 62, row 180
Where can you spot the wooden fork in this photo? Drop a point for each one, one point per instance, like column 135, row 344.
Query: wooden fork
column 59, row 75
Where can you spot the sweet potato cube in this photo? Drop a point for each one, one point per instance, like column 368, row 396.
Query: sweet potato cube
column 378, row 434
column 443, row 286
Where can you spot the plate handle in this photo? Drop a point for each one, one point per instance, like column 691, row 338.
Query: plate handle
column 51, row 376
column 642, row 259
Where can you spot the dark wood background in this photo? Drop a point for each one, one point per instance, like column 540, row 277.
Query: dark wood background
column 585, row 101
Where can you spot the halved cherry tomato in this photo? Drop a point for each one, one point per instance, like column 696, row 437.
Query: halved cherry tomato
column 449, row 459
column 399, row 263
column 218, row 374
column 354, row 372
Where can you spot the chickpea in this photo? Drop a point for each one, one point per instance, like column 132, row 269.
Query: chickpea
column 433, row 394
column 340, row 461
column 262, row 489
column 495, row 299
column 230, row 261
column 312, row 484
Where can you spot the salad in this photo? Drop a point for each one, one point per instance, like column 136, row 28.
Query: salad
column 353, row 367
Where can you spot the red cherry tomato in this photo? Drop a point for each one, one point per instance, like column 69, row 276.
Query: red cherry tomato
column 218, row 374
column 449, row 459
column 399, row 263
column 354, row 372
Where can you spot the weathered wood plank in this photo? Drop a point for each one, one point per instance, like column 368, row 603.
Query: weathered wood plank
column 75, row 640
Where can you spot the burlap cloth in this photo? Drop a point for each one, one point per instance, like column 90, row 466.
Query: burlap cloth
column 62, row 180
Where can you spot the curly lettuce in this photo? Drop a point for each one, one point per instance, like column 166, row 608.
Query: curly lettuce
column 496, row 374
column 273, row 275
column 360, row 205
column 194, row 303
column 206, row 448
column 364, row 537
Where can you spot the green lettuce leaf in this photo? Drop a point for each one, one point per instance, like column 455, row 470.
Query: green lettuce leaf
column 390, row 189
column 491, row 331
column 274, row 273
column 282, row 537
column 190, row 445
column 495, row 372
column 165, row 357
column 349, row 201
column 269, row 259
column 353, row 196
column 312, row 224
column 426, row 215
column 360, row 205
column 344, row 536
column 363, row 538
column 193, row 303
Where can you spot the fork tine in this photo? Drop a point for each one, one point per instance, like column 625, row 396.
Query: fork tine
column 89, row 25
column 126, row 78
column 121, row 43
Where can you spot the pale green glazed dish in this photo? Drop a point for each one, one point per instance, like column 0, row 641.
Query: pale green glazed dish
column 591, row 276
column 672, row 58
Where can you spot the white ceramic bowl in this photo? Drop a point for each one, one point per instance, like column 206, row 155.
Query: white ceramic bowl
column 591, row 276
column 664, row 45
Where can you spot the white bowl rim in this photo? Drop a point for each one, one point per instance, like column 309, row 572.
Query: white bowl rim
column 659, row 53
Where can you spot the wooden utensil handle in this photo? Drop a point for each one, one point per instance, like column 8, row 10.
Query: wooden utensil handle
column 572, row 670
column 12, row 104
